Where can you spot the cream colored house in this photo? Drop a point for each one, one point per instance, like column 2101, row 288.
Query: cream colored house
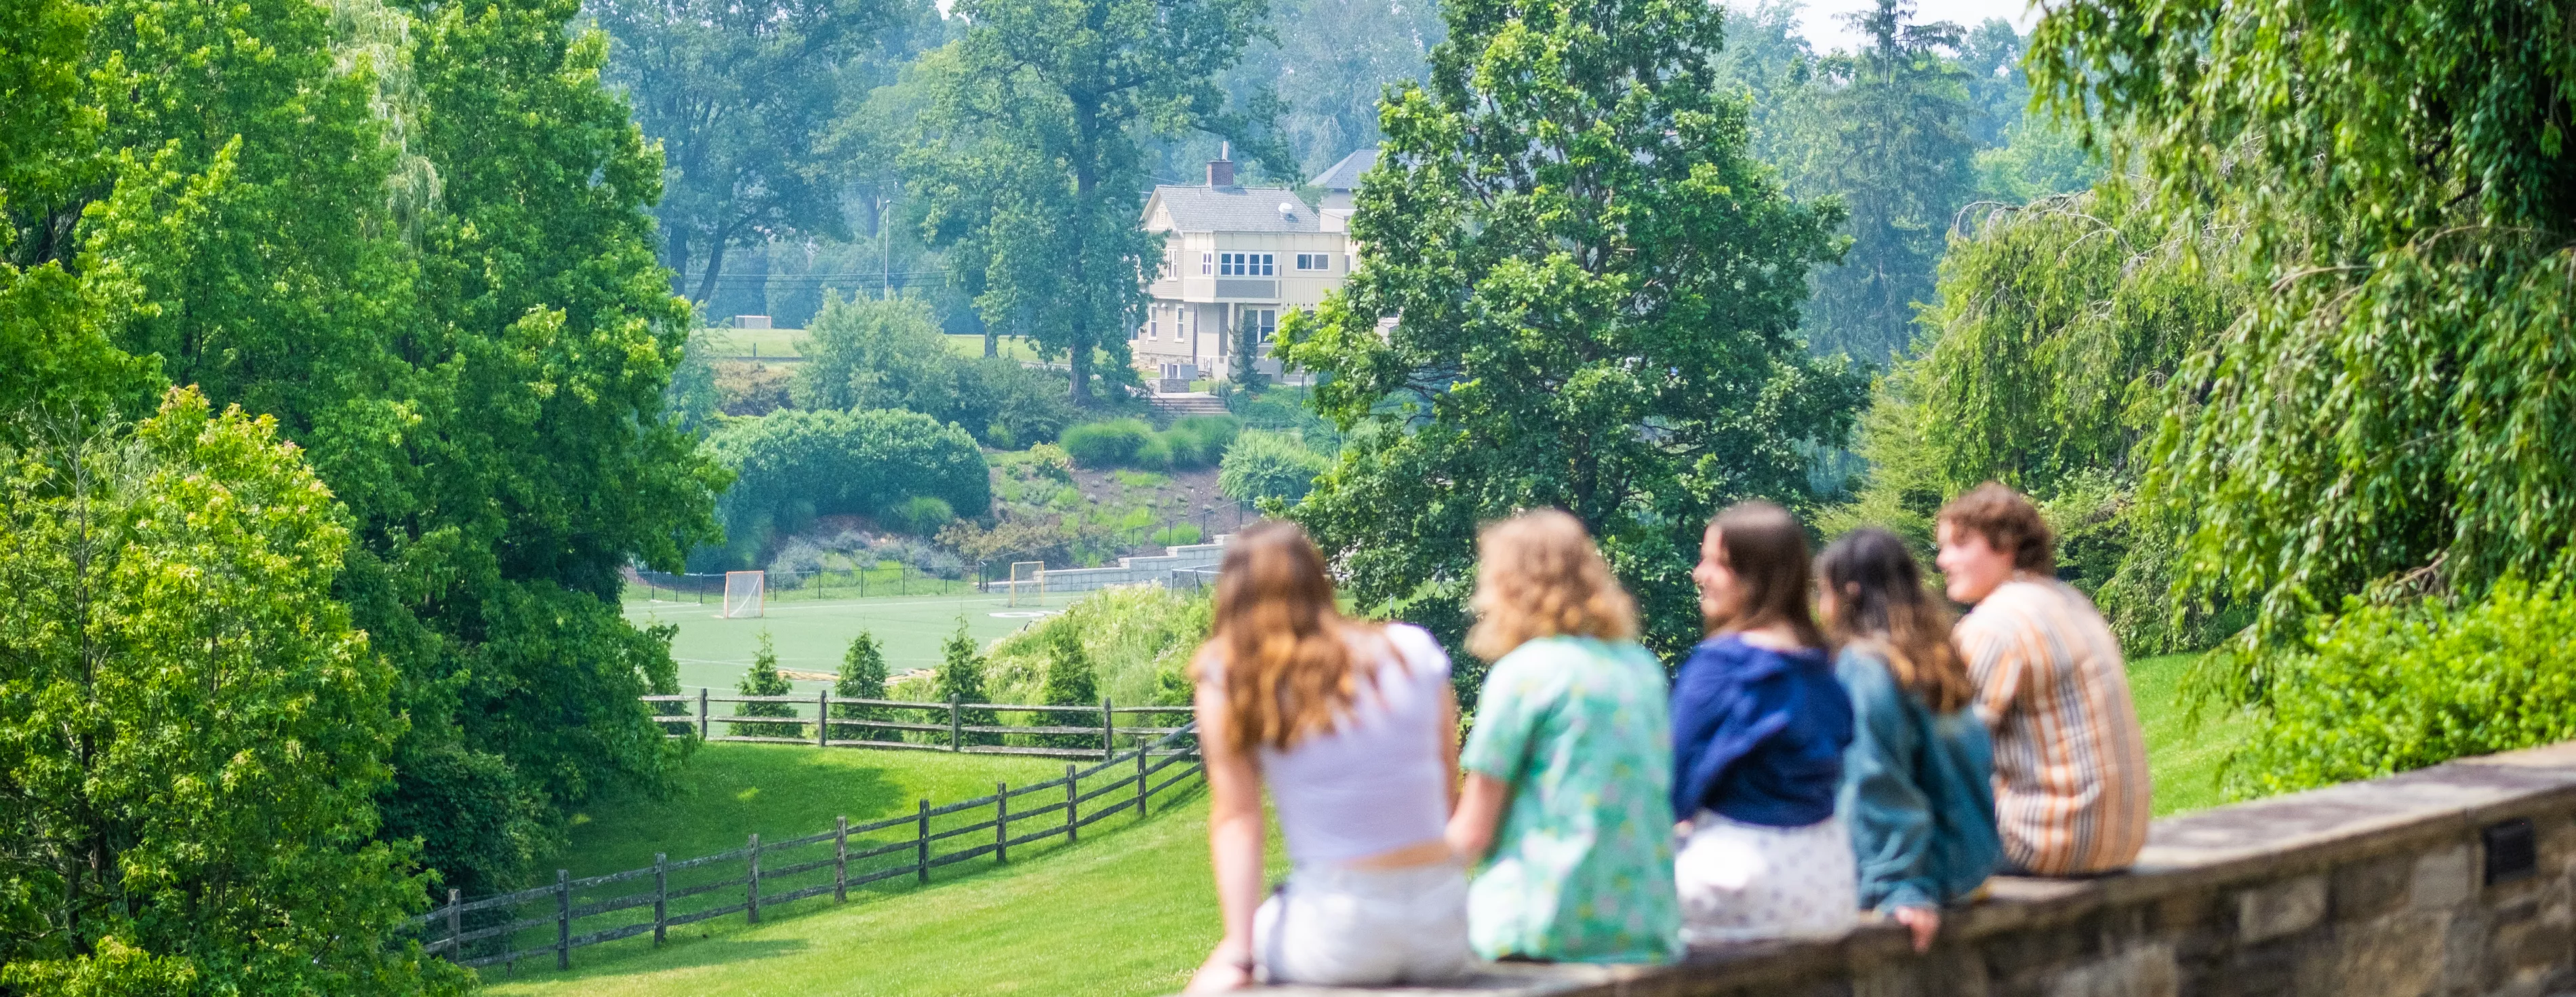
column 1235, row 259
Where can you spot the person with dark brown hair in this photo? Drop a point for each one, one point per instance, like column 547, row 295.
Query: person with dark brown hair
column 1759, row 728
column 1916, row 787
column 2072, row 794
column 1353, row 729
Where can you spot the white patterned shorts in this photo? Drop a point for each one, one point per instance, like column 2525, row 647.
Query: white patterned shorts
column 1743, row 882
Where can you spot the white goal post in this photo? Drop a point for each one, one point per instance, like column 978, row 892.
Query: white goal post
column 1036, row 573
column 745, row 592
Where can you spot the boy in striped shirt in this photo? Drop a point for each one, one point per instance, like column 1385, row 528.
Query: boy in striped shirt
column 2071, row 790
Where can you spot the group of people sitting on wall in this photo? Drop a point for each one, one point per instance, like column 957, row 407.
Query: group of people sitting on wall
column 1836, row 749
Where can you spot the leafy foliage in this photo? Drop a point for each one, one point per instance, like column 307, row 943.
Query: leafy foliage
column 1070, row 681
column 1029, row 172
column 1192, row 442
column 891, row 354
column 2395, row 399
column 960, row 679
column 794, row 465
column 1269, row 466
column 863, row 676
column 763, row 680
column 1598, row 293
column 1329, row 60
column 1138, row 640
column 192, row 733
column 2384, row 689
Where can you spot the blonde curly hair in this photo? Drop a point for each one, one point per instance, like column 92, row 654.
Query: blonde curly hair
column 1539, row 575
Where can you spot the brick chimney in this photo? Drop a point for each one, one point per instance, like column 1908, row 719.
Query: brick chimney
column 1221, row 169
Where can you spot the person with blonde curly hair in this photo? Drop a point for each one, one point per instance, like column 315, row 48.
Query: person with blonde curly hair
column 1570, row 762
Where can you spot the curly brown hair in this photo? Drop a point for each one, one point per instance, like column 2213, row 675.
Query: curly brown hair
column 1880, row 604
column 1539, row 575
column 2010, row 524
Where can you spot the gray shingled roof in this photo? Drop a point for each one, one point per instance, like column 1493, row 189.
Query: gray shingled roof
column 1345, row 175
column 1236, row 209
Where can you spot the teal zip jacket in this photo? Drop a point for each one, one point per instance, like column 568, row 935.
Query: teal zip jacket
column 1917, row 792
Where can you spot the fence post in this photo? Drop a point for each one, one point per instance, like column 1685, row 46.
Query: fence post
column 956, row 739
column 1072, row 799
column 921, row 841
column 1108, row 732
column 823, row 719
column 1140, row 781
column 702, row 713
column 1001, row 822
column 753, row 897
column 563, row 919
column 841, row 858
column 455, row 948
column 661, row 896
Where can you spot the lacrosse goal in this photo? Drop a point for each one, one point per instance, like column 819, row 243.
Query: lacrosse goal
column 745, row 591
column 1034, row 573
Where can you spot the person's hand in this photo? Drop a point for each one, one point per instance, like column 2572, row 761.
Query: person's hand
column 1227, row 968
column 1924, row 922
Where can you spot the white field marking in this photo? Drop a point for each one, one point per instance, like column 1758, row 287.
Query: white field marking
column 1026, row 614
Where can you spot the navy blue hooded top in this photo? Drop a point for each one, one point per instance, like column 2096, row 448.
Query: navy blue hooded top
column 1758, row 735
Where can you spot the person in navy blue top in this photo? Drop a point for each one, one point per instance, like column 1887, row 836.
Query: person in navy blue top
column 1760, row 725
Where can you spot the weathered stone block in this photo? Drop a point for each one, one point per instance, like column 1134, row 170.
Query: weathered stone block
column 2279, row 909
column 2146, row 971
column 2443, row 879
column 2372, row 887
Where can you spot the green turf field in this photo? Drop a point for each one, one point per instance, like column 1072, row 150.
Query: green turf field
column 811, row 634
column 2183, row 755
column 1128, row 910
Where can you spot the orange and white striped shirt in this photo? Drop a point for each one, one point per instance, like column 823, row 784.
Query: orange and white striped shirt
column 2071, row 789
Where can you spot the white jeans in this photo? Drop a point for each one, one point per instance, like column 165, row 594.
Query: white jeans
column 1742, row 882
column 1364, row 927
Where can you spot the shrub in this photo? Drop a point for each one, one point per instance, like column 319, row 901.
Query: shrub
column 961, row 677
column 1180, row 535
column 1267, row 466
column 2386, row 689
column 763, row 680
column 1070, row 681
column 920, row 515
column 1155, row 455
column 1114, row 443
column 867, row 354
column 792, row 466
column 863, row 676
column 1201, row 440
column 1135, row 637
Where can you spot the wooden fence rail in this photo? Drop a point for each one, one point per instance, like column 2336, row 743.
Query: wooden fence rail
column 500, row 928
column 947, row 718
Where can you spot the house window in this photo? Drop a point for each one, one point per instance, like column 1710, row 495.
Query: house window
column 1203, row 262
column 1246, row 264
column 1266, row 320
column 1314, row 261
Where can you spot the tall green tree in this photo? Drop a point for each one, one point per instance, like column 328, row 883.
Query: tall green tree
column 745, row 99
column 862, row 676
column 763, row 680
column 1070, row 681
column 1328, row 62
column 1030, row 170
column 2393, row 411
column 960, row 679
column 1890, row 134
column 1596, row 294
column 192, row 732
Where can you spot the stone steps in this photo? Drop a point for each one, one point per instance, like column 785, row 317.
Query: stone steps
column 1181, row 403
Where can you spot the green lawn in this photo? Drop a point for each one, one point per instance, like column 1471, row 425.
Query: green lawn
column 811, row 634
column 1010, row 347
column 2183, row 754
column 1128, row 910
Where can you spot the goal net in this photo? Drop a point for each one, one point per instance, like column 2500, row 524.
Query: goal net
column 1033, row 573
column 744, row 593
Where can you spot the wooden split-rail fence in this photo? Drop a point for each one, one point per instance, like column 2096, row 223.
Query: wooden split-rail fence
column 944, row 730
column 573, row 913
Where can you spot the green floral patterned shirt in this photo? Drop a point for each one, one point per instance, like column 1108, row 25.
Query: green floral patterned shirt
column 1582, row 867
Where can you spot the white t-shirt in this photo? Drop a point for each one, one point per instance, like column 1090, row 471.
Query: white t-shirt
column 1378, row 781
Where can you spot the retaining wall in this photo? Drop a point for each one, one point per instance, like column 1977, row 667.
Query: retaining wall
column 1128, row 571
column 2452, row 880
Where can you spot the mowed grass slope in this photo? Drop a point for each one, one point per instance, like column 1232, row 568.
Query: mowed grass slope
column 1127, row 910
column 2185, row 754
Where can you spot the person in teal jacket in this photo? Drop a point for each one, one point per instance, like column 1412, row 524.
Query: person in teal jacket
column 1917, row 789
column 1563, row 808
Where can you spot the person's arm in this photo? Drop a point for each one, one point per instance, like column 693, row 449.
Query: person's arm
column 1234, row 844
column 1695, row 721
column 1890, row 817
column 1996, row 665
column 1449, row 742
column 1479, row 814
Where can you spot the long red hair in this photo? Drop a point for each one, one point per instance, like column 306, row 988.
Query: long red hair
column 1286, row 651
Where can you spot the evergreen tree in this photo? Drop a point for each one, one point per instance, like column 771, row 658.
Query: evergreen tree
column 1598, row 294
column 863, row 676
column 763, row 680
column 961, row 679
column 1070, row 681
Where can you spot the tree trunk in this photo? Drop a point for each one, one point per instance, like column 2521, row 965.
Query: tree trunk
column 715, row 268
column 679, row 259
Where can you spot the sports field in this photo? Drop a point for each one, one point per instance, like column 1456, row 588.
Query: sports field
column 811, row 634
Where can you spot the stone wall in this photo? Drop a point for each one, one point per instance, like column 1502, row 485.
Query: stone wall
column 1156, row 570
column 2452, row 880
